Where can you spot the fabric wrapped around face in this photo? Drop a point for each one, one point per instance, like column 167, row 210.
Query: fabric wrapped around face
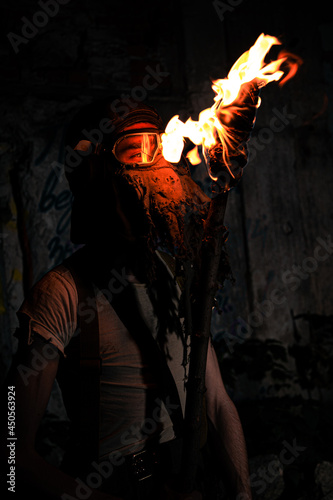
column 173, row 204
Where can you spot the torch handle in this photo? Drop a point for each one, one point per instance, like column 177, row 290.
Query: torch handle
column 201, row 320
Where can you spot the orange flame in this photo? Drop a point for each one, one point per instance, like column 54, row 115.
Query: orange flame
column 208, row 129
column 194, row 156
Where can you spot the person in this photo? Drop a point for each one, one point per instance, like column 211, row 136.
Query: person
column 109, row 324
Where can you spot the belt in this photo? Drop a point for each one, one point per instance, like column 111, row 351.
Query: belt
column 143, row 473
column 142, row 465
column 166, row 456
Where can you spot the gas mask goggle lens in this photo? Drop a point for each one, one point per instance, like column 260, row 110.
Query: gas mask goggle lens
column 137, row 148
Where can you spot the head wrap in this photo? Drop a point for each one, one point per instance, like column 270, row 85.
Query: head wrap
column 142, row 113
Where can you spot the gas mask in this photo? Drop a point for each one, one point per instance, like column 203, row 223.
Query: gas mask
column 126, row 189
column 173, row 205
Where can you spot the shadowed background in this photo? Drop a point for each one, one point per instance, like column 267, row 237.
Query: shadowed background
column 274, row 332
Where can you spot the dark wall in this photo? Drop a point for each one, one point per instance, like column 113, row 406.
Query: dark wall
column 274, row 336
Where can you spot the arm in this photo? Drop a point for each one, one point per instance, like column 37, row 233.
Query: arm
column 227, row 431
column 32, row 396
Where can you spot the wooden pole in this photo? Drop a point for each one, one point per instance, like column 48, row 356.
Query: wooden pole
column 207, row 286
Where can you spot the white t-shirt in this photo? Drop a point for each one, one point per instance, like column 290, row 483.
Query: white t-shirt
column 130, row 408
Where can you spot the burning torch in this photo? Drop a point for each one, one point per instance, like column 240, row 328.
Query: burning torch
column 223, row 132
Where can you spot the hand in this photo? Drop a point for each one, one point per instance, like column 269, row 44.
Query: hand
column 229, row 157
column 239, row 116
